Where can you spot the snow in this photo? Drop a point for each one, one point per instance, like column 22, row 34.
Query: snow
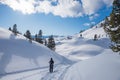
column 81, row 48
column 39, row 74
column 105, row 66
column 18, row 54
column 89, row 34
column 84, row 58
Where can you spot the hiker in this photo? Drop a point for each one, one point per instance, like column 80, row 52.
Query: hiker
column 51, row 62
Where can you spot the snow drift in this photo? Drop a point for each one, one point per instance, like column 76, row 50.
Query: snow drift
column 105, row 66
column 17, row 53
column 80, row 48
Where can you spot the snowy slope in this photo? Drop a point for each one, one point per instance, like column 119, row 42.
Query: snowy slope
column 80, row 48
column 105, row 66
column 18, row 54
column 99, row 62
column 97, row 29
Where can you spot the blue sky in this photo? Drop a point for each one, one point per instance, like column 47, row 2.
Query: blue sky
column 65, row 18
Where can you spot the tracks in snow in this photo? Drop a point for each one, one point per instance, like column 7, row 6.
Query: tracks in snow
column 40, row 74
column 58, row 73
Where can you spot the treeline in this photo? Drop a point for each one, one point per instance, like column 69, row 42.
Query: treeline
column 50, row 42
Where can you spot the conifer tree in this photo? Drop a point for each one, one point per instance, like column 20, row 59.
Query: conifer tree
column 40, row 39
column 28, row 34
column 10, row 29
column 51, row 43
column 80, row 35
column 40, row 33
column 36, row 37
column 113, row 28
column 106, row 24
column 45, row 42
column 95, row 37
column 15, row 29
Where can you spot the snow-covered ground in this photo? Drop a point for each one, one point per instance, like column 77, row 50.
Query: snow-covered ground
column 92, row 60
column 80, row 48
column 105, row 66
column 17, row 54
column 39, row 74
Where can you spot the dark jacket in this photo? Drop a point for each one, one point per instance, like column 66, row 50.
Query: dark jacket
column 51, row 62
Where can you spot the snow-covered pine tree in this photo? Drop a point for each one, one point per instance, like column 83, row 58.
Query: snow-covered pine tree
column 113, row 28
column 28, row 34
column 106, row 25
column 80, row 35
column 45, row 42
column 40, row 33
column 51, row 43
column 36, row 37
column 40, row 39
column 95, row 37
column 116, row 6
column 10, row 29
column 15, row 29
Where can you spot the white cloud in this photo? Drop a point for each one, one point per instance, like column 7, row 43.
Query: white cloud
column 91, row 17
column 68, row 8
column 44, row 7
column 63, row 8
column 89, row 24
column 93, row 23
column 86, row 24
column 108, row 2
column 26, row 7
column 92, row 6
